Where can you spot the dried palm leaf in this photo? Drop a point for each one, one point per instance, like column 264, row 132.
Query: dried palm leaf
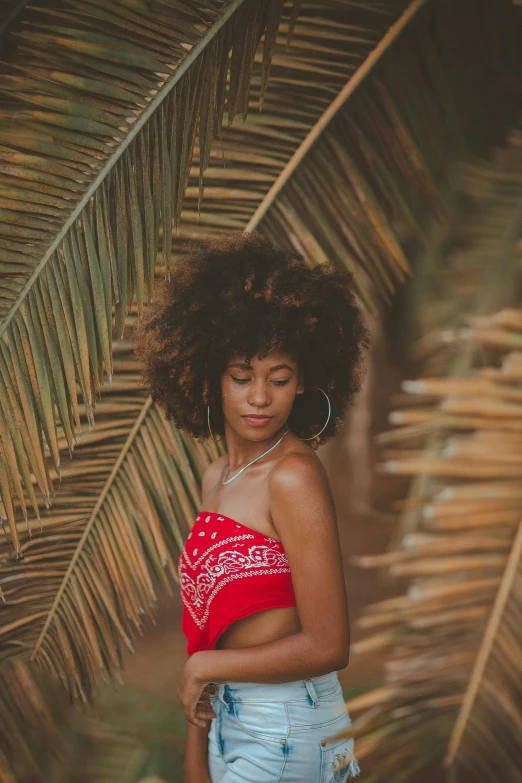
column 60, row 335
column 85, row 583
column 371, row 171
column 453, row 673
column 117, row 513
column 482, row 261
column 67, row 152
column 33, row 711
column 82, row 587
column 96, row 140
column 43, row 741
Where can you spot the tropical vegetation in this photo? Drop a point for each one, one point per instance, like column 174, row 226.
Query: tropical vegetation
column 118, row 147
column 452, row 675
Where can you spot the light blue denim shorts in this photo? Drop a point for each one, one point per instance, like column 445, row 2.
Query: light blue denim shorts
column 280, row 733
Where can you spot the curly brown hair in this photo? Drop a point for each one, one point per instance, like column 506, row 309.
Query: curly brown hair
column 239, row 295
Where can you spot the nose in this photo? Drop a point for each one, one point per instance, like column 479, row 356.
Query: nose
column 259, row 394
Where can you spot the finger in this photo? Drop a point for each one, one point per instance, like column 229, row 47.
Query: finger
column 193, row 715
column 196, row 721
column 206, row 714
column 206, row 709
column 204, row 706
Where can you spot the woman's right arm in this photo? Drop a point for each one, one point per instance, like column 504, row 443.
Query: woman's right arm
column 195, row 764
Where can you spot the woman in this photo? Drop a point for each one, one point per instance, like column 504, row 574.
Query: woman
column 248, row 342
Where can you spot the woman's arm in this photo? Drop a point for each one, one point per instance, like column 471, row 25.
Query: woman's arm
column 195, row 763
column 304, row 516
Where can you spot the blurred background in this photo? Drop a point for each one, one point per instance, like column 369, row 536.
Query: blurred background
column 381, row 135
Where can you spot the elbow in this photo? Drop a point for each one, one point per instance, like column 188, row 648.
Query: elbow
column 329, row 653
column 341, row 650
column 337, row 658
column 341, row 660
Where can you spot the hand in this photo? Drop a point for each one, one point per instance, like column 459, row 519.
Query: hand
column 193, row 697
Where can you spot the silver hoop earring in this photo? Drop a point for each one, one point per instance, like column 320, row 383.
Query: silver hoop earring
column 218, row 440
column 327, row 420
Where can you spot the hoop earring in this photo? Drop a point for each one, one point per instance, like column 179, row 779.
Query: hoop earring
column 218, row 440
column 327, row 420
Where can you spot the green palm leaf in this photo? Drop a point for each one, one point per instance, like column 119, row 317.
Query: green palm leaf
column 82, row 587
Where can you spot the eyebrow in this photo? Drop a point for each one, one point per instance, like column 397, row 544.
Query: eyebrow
column 246, row 366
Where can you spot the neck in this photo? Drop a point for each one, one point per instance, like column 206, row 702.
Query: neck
column 240, row 450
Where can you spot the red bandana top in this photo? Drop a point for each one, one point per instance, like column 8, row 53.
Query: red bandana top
column 228, row 571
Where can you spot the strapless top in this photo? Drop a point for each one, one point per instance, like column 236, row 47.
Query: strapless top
column 228, row 571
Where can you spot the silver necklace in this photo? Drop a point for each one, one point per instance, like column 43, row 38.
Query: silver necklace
column 227, row 481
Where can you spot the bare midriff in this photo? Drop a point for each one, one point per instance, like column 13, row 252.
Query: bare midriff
column 268, row 625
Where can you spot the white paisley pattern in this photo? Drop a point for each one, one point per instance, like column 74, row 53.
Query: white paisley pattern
column 215, row 568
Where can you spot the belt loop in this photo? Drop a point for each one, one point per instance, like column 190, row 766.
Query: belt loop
column 222, row 696
column 312, row 693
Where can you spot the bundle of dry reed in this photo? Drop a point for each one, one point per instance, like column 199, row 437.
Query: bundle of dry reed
column 453, row 690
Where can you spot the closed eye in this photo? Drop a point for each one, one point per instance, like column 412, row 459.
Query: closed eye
column 246, row 380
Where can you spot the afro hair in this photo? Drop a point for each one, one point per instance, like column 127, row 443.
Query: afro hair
column 240, row 295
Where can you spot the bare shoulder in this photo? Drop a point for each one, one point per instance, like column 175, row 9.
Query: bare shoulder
column 301, row 501
column 211, row 475
column 299, row 468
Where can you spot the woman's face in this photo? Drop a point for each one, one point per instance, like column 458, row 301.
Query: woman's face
column 257, row 397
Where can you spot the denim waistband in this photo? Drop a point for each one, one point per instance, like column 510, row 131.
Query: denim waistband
column 313, row 688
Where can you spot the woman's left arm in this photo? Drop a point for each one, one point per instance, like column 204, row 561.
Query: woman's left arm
column 304, row 516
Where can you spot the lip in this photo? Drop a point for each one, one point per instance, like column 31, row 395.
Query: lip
column 258, row 421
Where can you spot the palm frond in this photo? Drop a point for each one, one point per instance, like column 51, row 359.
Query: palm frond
column 96, row 142
column 80, row 589
column 33, row 712
column 77, row 591
column 88, row 240
column 43, row 740
column 478, row 252
column 58, row 338
column 453, row 681
column 356, row 174
column 9, row 13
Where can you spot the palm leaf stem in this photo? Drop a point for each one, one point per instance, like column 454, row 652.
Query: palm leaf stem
column 94, row 513
column 107, row 250
column 511, row 573
column 349, row 88
column 112, row 160
column 119, row 520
